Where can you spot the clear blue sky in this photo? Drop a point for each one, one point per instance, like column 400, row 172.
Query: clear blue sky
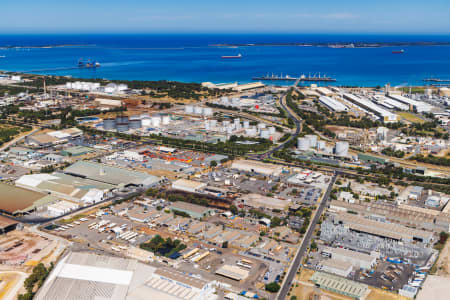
column 227, row 16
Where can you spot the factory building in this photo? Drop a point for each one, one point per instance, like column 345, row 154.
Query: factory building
column 413, row 104
column 193, row 210
column 341, row 285
column 257, row 167
column 337, row 267
column 385, row 115
column 356, row 259
column 333, row 104
column 188, row 185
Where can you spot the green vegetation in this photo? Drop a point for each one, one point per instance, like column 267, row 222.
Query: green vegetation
column 35, row 281
column 180, row 213
column 391, row 152
column 273, row 287
column 434, row 160
column 163, row 247
column 443, row 237
column 7, row 133
column 426, row 129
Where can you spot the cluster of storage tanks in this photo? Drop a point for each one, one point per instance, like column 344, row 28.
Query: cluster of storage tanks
column 229, row 127
column 125, row 123
column 310, row 141
column 83, row 86
column 198, row 110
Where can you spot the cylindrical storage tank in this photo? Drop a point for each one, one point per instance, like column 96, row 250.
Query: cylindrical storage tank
column 302, row 144
column 135, row 117
column 312, row 140
column 109, row 124
column 122, row 127
column 264, row 134
column 135, row 123
column 145, row 116
column 189, row 109
column 213, row 123
column 198, row 110
column 224, row 100
column 207, row 111
column 229, row 130
column 246, row 124
column 235, row 101
column 341, row 148
column 321, row 145
column 156, row 121
column 271, row 130
column 166, row 120
column 122, row 119
column 226, row 123
column 146, row 122
column 250, row 131
column 237, row 121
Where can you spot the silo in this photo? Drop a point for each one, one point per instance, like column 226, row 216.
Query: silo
column 198, row 110
column 122, row 127
column 341, row 148
column 302, row 144
column 207, row 111
column 264, row 134
column 312, row 140
column 189, row 109
column 166, row 120
column 135, row 123
column 109, row 124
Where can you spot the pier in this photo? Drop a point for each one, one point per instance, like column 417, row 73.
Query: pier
column 436, row 80
column 313, row 78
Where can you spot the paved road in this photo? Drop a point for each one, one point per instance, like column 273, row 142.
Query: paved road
column 282, row 294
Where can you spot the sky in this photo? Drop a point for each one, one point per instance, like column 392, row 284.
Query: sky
column 225, row 16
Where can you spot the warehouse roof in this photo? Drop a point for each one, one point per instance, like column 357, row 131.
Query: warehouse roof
column 336, row 264
column 351, row 253
column 188, row 184
column 15, row 200
column 340, row 285
column 190, row 207
column 233, row 272
column 5, row 222
column 110, row 174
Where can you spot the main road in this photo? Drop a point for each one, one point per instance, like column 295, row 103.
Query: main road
column 290, row 275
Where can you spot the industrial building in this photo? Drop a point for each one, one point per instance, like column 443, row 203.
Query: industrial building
column 413, row 104
column 333, row 104
column 340, row 285
column 194, row 210
column 386, row 230
column 356, row 259
column 233, row 272
column 335, row 266
column 257, row 167
column 385, row 115
column 7, row 224
column 87, row 276
column 53, row 137
column 188, row 185
column 16, row 200
column 111, row 175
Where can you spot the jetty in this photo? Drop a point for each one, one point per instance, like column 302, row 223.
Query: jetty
column 313, row 78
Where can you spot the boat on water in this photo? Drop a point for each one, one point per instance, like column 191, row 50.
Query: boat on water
column 88, row 64
column 231, row 56
column 398, row 51
column 2, row 56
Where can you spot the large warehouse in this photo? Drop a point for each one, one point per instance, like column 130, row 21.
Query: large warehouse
column 17, row 201
column 195, row 211
column 188, row 185
column 257, row 167
column 341, row 285
column 87, row 276
column 111, row 175
column 356, row 259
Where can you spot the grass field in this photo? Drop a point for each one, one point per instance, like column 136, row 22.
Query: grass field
column 410, row 117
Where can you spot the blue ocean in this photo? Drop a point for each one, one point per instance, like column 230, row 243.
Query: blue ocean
column 193, row 58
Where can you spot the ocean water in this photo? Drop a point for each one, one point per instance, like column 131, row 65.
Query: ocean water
column 191, row 58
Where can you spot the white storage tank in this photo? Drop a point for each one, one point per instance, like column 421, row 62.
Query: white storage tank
column 271, row 130
column 341, row 148
column 246, row 124
column 146, row 122
column 302, row 144
column 264, row 134
column 224, row 100
column 198, row 110
column 261, row 126
column 321, row 145
column 207, row 111
column 213, row 123
column 207, row 124
column 189, row 109
column 166, row 120
column 312, row 140
column 226, row 123
column 250, row 131
column 156, row 121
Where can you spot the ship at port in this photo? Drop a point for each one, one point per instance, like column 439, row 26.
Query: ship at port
column 401, row 51
column 88, row 63
column 303, row 77
column 231, row 56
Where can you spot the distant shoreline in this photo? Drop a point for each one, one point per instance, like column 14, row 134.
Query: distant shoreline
column 338, row 45
column 45, row 46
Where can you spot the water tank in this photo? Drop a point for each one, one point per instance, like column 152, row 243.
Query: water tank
column 246, row 124
column 312, row 140
column 321, row 145
column 122, row 119
column 109, row 124
column 198, row 110
column 122, row 127
column 135, row 123
column 341, row 148
column 166, row 120
column 302, row 144
column 189, row 109
column 264, row 134
column 156, row 121
column 207, row 111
